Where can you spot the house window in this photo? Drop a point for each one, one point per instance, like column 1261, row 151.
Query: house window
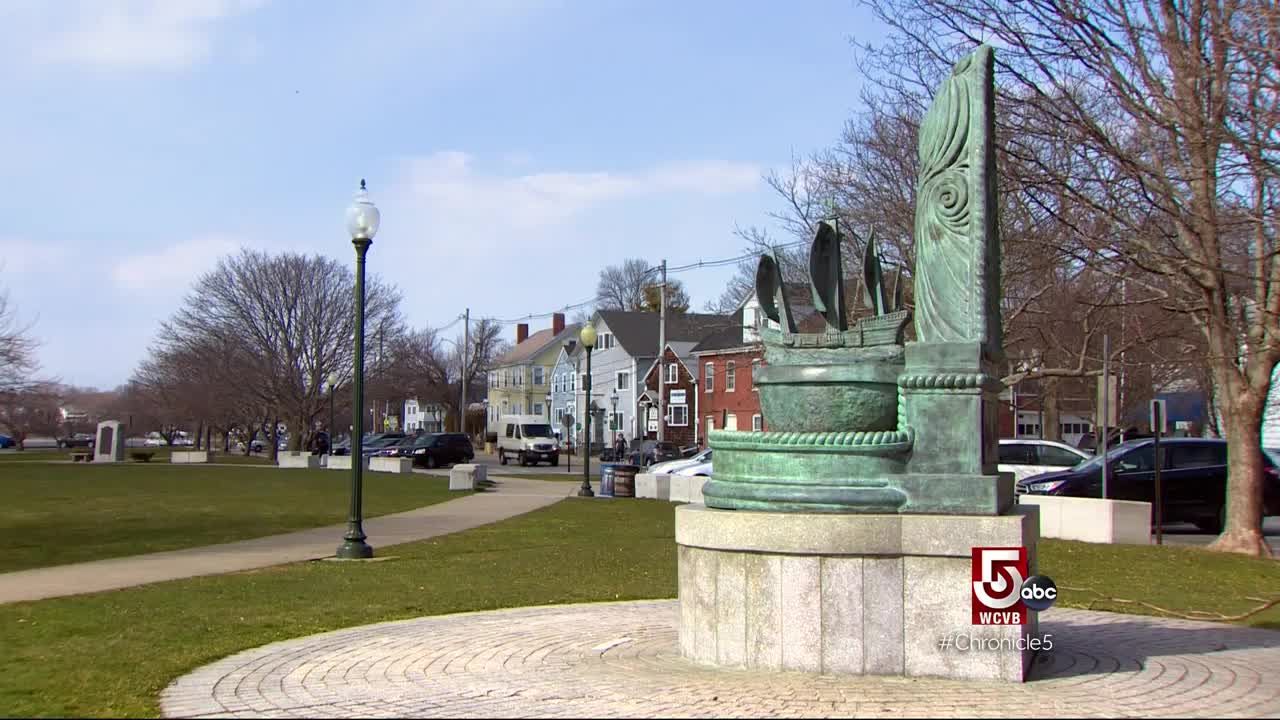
column 755, row 368
column 537, row 408
column 673, row 373
column 710, row 382
column 711, row 423
column 537, row 375
column 730, row 376
column 731, row 422
column 757, row 422
column 616, row 423
column 519, row 376
column 559, row 416
column 623, row 380
column 679, row 415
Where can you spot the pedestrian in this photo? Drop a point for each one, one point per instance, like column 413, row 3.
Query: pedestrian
column 619, row 448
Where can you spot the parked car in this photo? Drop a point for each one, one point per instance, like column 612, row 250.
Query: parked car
column 78, row 440
column 400, row 448
column 671, row 467
column 1089, row 441
column 380, row 443
column 528, row 438
column 7, row 442
column 654, row 451
column 343, row 447
column 440, row 449
column 1193, row 479
column 1025, row 457
column 699, row 470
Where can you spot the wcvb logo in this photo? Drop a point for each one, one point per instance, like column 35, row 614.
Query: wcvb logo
column 998, row 576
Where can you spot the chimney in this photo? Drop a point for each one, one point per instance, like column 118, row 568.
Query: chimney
column 557, row 323
column 522, row 332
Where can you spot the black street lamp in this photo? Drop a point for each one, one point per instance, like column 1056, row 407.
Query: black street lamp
column 333, row 387
column 362, row 223
column 588, row 338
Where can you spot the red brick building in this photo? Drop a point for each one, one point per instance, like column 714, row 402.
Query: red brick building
column 674, row 378
column 727, row 397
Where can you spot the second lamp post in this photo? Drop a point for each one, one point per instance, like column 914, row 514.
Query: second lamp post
column 588, row 339
column 362, row 222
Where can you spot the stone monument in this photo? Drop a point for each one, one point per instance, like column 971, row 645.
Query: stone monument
column 841, row 541
column 108, row 445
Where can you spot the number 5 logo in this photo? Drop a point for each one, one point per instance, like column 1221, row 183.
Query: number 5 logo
column 998, row 575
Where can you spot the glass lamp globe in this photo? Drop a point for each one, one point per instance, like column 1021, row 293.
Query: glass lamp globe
column 588, row 336
column 363, row 216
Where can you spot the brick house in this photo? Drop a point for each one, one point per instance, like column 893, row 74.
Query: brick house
column 727, row 360
column 674, row 378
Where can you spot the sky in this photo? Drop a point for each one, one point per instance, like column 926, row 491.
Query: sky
column 513, row 148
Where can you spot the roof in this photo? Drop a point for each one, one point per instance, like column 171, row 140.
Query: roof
column 535, row 345
column 637, row 332
column 682, row 349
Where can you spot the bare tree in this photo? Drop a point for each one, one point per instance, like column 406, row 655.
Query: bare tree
column 627, row 287
column 17, row 349
column 262, row 334
column 30, row 410
column 1165, row 115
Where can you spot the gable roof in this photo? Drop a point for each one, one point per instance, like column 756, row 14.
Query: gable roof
column 637, row 332
column 535, row 345
column 682, row 349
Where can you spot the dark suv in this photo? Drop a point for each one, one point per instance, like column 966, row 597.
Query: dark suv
column 1193, row 479
column 440, row 449
column 652, row 451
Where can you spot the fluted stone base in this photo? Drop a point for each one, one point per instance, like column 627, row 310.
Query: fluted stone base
column 843, row 594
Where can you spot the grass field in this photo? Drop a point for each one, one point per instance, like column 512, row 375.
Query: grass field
column 110, row 654
column 60, row 513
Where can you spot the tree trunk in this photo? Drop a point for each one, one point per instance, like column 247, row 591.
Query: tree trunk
column 1242, row 415
column 1052, row 428
column 274, row 436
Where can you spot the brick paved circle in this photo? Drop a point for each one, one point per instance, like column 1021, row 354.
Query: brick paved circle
column 621, row 660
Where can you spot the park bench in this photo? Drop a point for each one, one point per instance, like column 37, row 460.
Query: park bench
column 141, row 456
column 78, row 456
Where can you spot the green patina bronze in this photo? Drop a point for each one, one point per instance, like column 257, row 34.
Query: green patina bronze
column 862, row 422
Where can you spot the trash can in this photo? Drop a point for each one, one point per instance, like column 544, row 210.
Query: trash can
column 624, row 480
column 606, row 481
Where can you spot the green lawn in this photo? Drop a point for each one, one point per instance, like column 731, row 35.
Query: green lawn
column 110, row 654
column 158, row 455
column 58, row 513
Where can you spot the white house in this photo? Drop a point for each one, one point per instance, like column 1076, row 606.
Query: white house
column 427, row 417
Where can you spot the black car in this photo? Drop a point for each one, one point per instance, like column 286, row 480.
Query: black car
column 379, row 443
column 79, row 440
column 653, row 451
column 1193, row 479
column 440, row 449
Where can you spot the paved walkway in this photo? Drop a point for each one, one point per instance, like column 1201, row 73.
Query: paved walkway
column 509, row 497
column 621, row 660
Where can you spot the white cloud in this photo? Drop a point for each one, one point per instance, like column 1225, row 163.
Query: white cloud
column 445, row 189
column 27, row 257
column 172, row 269
column 117, row 34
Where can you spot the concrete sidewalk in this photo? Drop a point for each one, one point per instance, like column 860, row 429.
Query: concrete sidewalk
column 509, row 497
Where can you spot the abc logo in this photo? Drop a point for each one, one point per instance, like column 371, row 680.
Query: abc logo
column 1039, row 592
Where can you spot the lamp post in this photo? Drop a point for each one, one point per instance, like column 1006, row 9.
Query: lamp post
column 614, row 425
column 333, row 387
column 588, row 338
column 362, row 222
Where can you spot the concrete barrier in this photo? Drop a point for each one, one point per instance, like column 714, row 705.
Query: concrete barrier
column 695, row 489
column 343, row 462
column 653, row 485
column 467, row 476
column 180, row 457
column 1092, row 519
column 391, row 464
column 298, row 460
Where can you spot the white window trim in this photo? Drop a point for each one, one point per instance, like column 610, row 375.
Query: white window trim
column 730, row 376
column 757, row 423
column 617, row 380
column 673, row 423
column 673, row 374
column 709, row 379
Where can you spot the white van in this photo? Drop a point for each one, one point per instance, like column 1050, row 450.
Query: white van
column 529, row 438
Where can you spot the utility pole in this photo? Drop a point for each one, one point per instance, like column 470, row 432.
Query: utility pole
column 1101, row 445
column 466, row 339
column 662, row 347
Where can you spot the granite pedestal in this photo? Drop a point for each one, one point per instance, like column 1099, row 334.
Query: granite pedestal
column 844, row 594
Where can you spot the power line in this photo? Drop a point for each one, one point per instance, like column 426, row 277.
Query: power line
column 701, row 264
